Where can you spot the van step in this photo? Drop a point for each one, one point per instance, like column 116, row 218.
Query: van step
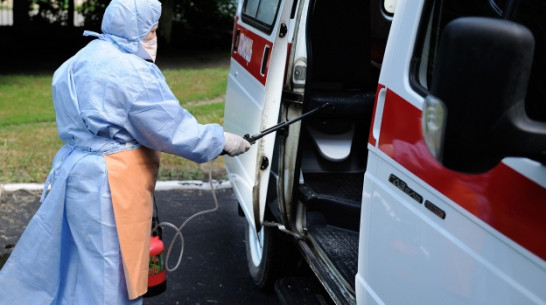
column 337, row 196
column 301, row 291
column 341, row 248
column 344, row 186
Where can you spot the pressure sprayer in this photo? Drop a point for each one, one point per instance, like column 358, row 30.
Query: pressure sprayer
column 158, row 266
column 157, row 274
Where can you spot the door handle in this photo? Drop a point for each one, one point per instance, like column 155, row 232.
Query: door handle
column 265, row 60
column 236, row 41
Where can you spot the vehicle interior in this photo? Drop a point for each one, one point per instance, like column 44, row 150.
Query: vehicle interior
column 343, row 63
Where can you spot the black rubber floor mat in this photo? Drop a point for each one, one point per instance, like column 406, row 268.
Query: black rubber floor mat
column 341, row 247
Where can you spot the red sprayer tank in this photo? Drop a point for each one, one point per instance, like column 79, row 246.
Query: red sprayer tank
column 157, row 274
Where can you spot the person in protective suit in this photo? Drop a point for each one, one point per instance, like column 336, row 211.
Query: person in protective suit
column 88, row 243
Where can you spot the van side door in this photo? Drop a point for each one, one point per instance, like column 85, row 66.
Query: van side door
column 253, row 96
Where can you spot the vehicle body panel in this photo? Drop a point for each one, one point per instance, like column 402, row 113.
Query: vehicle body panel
column 487, row 249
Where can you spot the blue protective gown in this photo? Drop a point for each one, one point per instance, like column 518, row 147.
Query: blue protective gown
column 108, row 101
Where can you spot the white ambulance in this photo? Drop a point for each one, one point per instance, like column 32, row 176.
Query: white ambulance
column 424, row 181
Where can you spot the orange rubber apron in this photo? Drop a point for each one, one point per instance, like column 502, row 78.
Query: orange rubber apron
column 131, row 176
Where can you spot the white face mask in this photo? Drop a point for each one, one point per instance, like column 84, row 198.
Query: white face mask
column 150, row 46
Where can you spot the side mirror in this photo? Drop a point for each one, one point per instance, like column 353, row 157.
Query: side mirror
column 476, row 115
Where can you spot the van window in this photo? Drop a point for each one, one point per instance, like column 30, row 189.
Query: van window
column 261, row 13
column 529, row 13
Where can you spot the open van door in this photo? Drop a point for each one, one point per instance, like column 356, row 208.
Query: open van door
column 253, row 96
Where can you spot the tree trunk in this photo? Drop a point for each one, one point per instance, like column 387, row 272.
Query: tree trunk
column 71, row 15
column 20, row 12
column 166, row 21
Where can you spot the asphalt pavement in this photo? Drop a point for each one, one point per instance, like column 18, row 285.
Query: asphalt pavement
column 213, row 268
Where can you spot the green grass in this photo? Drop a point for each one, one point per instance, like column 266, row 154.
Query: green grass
column 25, row 99
column 28, row 134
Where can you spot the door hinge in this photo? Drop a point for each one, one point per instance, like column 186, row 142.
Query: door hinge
column 265, row 163
column 283, row 31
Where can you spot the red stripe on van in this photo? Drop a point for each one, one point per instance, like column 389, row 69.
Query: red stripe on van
column 250, row 52
column 503, row 198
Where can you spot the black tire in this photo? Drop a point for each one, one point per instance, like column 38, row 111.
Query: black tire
column 274, row 259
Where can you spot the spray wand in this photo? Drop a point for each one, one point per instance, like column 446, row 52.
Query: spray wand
column 254, row 138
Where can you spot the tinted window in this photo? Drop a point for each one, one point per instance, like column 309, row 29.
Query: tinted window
column 529, row 13
column 261, row 13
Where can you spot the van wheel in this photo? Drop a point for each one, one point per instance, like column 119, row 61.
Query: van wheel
column 264, row 258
